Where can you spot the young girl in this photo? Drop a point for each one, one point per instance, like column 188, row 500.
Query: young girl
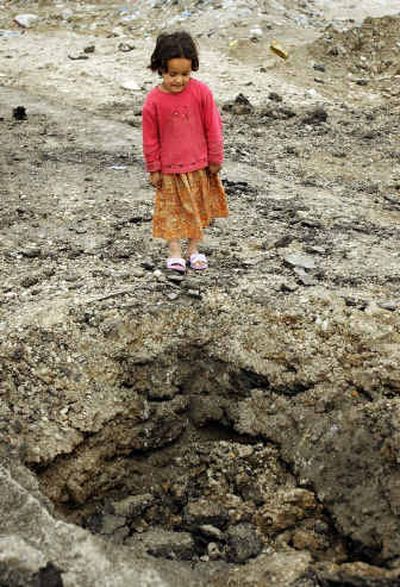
column 183, row 150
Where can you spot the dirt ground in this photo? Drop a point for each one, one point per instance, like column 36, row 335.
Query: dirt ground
column 301, row 299
column 76, row 205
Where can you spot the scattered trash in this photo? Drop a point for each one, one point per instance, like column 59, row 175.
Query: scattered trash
column 67, row 14
column 390, row 305
column 19, row 113
column 6, row 33
column 278, row 50
column 26, row 20
column 129, row 17
column 130, row 85
column 256, row 33
column 240, row 45
column 303, row 277
column 118, row 167
column 311, row 93
column 77, row 56
column 125, row 47
column 300, row 260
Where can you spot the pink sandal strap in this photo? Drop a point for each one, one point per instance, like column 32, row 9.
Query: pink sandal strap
column 198, row 262
column 176, row 264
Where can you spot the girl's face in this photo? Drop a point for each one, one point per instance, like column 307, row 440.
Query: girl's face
column 175, row 79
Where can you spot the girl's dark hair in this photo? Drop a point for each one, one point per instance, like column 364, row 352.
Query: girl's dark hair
column 172, row 46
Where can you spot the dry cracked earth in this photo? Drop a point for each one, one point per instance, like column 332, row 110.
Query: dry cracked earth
column 239, row 427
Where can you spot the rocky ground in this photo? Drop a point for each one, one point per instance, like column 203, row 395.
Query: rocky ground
column 238, row 427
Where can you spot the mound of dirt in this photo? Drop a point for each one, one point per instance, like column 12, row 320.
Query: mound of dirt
column 372, row 48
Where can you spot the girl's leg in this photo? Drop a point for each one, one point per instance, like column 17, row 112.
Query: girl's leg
column 193, row 246
column 174, row 248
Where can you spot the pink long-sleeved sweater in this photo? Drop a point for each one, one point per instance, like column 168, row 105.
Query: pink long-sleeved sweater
column 181, row 132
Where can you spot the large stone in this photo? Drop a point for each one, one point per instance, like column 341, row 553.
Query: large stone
column 243, row 543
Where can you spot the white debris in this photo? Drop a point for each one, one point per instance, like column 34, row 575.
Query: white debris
column 130, row 85
column 26, row 20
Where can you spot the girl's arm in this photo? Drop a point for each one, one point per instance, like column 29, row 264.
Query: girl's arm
column 151, row 140
column 213, row 131
column 214, row 168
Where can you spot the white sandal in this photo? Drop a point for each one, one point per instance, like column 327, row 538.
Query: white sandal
column 198, row 262
column 176, row 264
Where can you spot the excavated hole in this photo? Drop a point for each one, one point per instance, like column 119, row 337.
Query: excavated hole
column 181, row 483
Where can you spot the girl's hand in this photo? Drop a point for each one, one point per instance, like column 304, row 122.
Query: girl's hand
column 214, row 169
column 156, row 179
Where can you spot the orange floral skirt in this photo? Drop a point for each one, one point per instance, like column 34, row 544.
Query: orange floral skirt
column 186, row 203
